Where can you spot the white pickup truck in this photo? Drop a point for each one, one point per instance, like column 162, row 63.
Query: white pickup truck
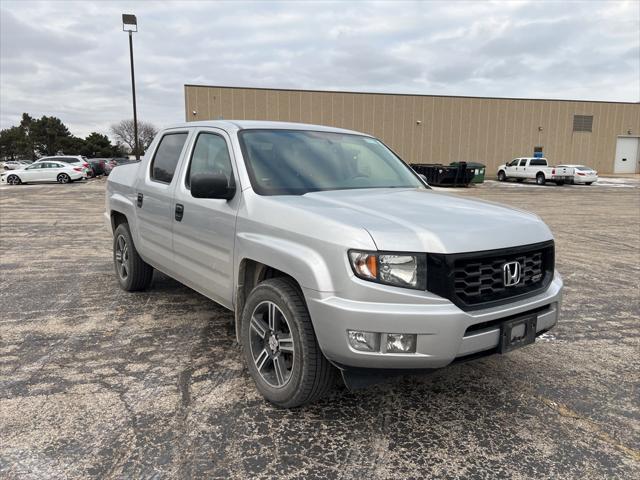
column 533, row 168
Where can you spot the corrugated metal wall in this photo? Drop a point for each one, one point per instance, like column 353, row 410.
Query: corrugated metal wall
column 486, row 130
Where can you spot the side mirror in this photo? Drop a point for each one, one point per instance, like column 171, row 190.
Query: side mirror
column 212, row 185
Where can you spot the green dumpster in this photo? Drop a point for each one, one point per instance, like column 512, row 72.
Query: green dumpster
column 478, row 170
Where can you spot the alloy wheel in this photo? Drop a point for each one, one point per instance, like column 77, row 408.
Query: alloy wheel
column 271, row 344
column 122, row 257
column 13, row 180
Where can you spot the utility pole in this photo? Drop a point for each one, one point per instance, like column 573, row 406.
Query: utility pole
column 130, row 24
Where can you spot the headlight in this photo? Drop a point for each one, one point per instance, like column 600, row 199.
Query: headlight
column 407, row 270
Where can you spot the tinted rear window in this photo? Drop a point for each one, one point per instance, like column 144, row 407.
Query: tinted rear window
column 167, row 156
column 538, row 162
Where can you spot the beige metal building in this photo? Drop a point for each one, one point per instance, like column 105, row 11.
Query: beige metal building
column 443, row 129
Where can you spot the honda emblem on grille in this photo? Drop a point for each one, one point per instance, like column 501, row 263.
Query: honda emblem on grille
column 511, row 273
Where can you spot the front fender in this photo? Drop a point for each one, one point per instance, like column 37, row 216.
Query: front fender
column 299, row 261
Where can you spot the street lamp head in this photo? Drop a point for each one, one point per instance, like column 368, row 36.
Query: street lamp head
column 129, row 23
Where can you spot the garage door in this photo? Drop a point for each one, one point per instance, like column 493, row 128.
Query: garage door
column 627, row 155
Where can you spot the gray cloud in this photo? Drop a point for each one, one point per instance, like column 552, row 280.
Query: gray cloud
column 71, row 59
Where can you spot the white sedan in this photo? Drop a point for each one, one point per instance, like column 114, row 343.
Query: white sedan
column 583, row 174
column 43, row 172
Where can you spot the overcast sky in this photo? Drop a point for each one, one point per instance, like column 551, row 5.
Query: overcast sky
column 70, row 59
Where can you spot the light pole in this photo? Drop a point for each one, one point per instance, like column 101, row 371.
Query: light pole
column 130, row 24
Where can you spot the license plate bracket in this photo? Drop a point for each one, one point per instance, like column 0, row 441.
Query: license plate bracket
column 517, row 333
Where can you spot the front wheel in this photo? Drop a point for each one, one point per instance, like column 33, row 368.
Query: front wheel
column 64, row 178
column 540, row 180
column 280, row 345
column 133, row 273
column 14, row 180
column 502, row 177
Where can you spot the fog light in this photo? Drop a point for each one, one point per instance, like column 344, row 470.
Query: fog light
column 401, row 343
column 363, row 341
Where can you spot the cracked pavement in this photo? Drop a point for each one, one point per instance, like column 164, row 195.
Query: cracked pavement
column 96, row 382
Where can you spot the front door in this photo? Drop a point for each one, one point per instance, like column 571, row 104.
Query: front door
column 511, row 168
column 154, row 200
column 33, row 173
column 627, row 155
column 204, row 228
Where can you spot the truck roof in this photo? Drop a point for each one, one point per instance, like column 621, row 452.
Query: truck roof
column 235, row 125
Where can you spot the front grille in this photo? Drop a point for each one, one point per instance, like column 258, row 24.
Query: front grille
column 476, row 280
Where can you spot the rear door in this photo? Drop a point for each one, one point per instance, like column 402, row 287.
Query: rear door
column 521, row 169
column 154, row 200
column 54, row 170
column 204, row 228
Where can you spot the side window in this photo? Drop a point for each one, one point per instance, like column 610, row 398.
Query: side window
column 34, row 166
column 167, row 155
column 523, row 162
column 513, row 163
column 210, row 155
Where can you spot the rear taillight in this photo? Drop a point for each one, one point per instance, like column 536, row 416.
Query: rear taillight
column 581, row 174
column 553, row 171
column 77, row 169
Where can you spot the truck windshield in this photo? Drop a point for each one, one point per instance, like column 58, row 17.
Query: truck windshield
column 295, row 162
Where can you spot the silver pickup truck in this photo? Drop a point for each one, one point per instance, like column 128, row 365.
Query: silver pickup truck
column 332, row 253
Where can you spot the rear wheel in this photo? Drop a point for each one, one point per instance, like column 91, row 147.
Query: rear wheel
column 133, row 273
column 64, row 178
column 502, row 176
column 14, row 180
column 280, row 345
column 540, row 180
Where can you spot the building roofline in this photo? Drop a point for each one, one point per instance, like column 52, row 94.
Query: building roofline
column 408, row 94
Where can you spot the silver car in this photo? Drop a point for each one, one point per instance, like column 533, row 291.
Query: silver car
column 334, row 256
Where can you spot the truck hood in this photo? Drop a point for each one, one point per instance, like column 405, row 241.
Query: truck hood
column 417, row 220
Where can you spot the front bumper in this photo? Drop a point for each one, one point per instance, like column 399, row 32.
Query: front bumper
column 441, row 327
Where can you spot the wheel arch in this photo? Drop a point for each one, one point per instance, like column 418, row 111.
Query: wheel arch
column 250, row 273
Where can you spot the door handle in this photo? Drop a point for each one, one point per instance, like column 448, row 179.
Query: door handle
column 179, row 211
column 139, row 201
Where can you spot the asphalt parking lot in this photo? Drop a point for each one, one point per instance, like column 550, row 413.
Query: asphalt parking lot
column 97, row 382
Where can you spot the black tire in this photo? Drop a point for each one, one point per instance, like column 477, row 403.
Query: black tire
column 63, row 178
column 136, row 274
column 311, row 375
column 14, row 180
column 502, row 177
column 588, row 183
column 540, row 180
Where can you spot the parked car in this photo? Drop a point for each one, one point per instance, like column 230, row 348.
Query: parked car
column 582, row 174
column 99, row 165
column 534, row 168
column 75, row 160
column 332, row 252
column 125, row 161
column 13, row 164
column 43, row 172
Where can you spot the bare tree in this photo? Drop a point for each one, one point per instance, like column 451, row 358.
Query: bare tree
column 123, row 133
